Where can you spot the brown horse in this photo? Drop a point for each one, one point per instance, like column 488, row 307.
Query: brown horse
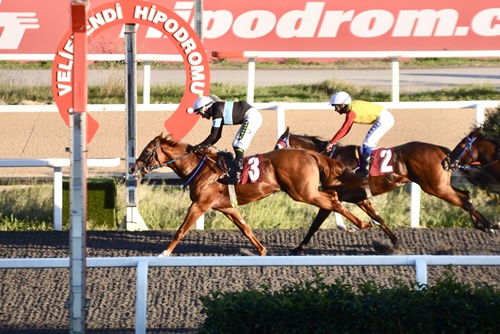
column 412, row 162
column 477, row 157
column 296, row 172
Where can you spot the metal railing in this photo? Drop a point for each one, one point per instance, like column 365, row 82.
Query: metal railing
column 420, row 262
column 57, row 165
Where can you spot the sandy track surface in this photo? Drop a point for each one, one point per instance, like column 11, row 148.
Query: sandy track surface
column 32, row 301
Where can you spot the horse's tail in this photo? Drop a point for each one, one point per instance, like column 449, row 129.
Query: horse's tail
column 333, row 173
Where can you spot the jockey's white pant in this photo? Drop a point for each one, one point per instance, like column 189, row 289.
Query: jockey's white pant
column 252, row 123
column 384, row 122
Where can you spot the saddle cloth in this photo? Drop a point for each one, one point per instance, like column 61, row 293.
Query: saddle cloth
column 252, row 167
column 382, row 161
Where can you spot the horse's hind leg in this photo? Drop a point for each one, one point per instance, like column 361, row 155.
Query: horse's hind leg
column 368, row 207
column 234, row 215
column 327, row 201
column 316, row 224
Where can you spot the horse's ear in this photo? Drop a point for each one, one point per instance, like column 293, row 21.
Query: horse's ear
column 287, row 131
column 161, row 134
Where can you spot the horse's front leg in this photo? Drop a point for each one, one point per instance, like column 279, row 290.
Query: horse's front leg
column 316, row 224
column 194, row 212
column 234, row 215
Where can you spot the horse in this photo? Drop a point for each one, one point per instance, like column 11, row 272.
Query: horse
column 415, row 161
column 477, row 157
column 298, row 173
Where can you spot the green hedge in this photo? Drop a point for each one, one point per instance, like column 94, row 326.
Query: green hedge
column 317, row 307
column 101, row 202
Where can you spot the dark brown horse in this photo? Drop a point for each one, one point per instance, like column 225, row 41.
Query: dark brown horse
column 412, row 162
column 477, row 157
column 296, row 172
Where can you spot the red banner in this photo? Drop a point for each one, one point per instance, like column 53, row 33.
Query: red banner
column 36, row 27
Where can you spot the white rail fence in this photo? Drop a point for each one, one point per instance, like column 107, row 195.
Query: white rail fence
column 420, row 262
column 394, row 56
column 280, row 108
column 57, row 165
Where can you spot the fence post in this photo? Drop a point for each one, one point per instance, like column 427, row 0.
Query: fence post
column 479, row 115
column 200, row 223
column 280, row 120
column 415, row 205
column 141, row 299
column 421, row 269
column 146, row 93
column 58, row 198
column 251, row 80
column 395, row 79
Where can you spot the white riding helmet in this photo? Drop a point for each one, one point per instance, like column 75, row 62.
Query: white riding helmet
column 201, row 102
column 340, row 98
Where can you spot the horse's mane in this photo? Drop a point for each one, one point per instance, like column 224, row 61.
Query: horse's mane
column 488, row 137
column 170, row 141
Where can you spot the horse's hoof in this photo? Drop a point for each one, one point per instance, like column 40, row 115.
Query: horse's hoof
column 163, row 254
column 296, row 251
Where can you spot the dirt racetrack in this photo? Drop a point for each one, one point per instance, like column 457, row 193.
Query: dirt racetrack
column 32, row 301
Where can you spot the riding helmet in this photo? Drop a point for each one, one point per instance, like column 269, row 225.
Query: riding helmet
column 340, row 98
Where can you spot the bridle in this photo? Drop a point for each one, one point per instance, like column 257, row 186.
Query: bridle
column 283, row 143
column 455, row 165
column 153, row 156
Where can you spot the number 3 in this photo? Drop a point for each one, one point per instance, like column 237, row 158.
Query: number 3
column 253, row 171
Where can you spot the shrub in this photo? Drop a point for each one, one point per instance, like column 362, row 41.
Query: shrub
column 317, row 307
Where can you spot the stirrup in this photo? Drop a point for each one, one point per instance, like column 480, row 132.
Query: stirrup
column 361, row 172
column 229, row 179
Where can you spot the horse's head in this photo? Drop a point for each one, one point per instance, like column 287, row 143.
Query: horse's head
column 283, row 140
column 289, row 140
column 149, row 158
column 475, row 148
column 452, row 160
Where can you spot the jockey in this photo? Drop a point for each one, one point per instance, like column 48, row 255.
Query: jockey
column 364, row 113
column 229, row 113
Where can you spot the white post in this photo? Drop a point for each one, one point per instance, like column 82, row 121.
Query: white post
column 58, row 198
column 479, row 115
column 133, row 220
column 415, row 205
column 200, row 223
column 251, row 80
column 280, row 119
column 339, row 222
column 395, row 80
column 141, row 299
column 146, row 94
column 421, row 269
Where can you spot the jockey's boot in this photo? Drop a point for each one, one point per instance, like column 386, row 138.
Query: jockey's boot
column 364, row 168
column 235, row 176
